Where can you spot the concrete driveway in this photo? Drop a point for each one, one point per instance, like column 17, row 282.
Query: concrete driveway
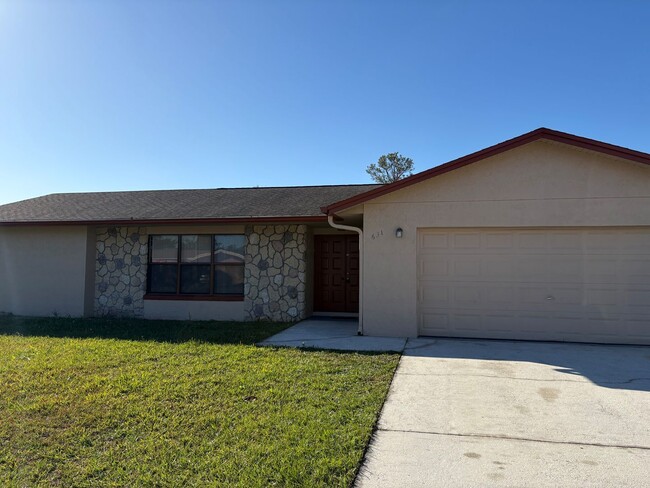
column 499, row 413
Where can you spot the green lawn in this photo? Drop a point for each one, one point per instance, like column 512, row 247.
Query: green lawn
column 150, row 403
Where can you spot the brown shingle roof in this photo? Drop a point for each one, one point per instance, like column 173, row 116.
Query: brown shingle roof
column 179, row 205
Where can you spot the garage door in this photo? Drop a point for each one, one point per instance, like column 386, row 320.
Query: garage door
column 582, row 285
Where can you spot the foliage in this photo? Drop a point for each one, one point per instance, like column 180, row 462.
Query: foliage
column 136, row 403
column 390, row 168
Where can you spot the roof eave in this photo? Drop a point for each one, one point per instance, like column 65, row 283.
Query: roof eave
column 224, row 220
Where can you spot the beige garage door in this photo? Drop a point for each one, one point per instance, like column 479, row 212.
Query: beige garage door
column 583, row 285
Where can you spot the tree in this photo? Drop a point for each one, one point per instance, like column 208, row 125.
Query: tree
column 390, row 167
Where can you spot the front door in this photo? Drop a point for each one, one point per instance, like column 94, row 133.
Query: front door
column 336, row 273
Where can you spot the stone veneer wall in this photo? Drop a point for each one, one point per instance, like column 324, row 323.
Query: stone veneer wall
column 121, row 271
column 275, row 274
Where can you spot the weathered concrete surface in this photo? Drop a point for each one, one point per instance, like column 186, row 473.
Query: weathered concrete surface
column 399, row 459
column 332, row 334
column 553, row 414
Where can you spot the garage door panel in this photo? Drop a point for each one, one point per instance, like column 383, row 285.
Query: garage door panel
column 570, row 324
column 466, row 322
column 496, row 267
column 466, row 267
column 602, row 269
column 588, row 285
column 638, row 327
column 603, row 242
column 564, row 269
column 463, row 241
column 435, row 266
column 435, row 323
column 467, row 296
column 600, row 297
column 498, row 323
column 530, row 297
column 498, row 240
column 532, row 325
column 432, row 242
column 566, row 242
column 531, row 241
column 606, row 325
column 638, row 299
column 531, row 268
column 637, row 242
column 564, row 297
column 636, row 270
column 500, row 295
column 435, row 294
column 479, row 297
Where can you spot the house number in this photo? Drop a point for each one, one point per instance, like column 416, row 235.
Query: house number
column 377, row 234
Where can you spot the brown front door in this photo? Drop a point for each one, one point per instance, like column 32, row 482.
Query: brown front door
column 336, row 273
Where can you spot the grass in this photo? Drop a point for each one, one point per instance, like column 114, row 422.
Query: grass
column 145, row 403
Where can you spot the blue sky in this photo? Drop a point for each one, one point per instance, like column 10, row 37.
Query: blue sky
column 127, row 95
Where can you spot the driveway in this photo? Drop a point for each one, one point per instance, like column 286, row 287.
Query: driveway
column 500, row 413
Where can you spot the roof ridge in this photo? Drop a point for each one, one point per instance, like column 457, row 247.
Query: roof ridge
column 200, row 189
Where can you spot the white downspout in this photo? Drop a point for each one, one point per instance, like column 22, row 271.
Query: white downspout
column 330, row 220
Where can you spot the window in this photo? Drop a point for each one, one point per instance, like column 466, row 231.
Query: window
column 196, row 265
column 229, row 264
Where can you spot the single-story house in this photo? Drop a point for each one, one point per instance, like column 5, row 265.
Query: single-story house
column 543, row 237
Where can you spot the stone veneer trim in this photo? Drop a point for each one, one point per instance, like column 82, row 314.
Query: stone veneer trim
column 120, row 271
column 275, row 272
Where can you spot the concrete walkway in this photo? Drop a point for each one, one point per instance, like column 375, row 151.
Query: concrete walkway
column 337, row 334
column 472, row 413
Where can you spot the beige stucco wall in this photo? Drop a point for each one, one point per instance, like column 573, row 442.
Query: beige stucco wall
column 193, row 310
column 542, row 184
column 43, row 270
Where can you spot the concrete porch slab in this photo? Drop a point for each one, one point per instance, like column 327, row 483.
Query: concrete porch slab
column 336, row 334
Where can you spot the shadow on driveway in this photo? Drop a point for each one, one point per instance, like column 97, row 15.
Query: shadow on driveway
column 610, row 366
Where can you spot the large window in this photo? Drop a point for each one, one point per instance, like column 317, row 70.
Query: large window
column 196, row 265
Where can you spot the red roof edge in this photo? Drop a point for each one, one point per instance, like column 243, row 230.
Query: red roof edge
column 541, row 133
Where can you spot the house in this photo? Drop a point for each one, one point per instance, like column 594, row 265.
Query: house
column 542, row 237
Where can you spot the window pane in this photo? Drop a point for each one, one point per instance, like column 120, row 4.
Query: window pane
column 195, row 249
column 229, row 249
column 195, row 278
column 164, row 249
column 163, row 278
column 229, row 280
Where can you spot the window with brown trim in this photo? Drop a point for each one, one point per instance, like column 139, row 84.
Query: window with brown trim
column 195, row 266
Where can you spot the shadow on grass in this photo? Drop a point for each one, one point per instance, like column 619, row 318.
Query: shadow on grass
column 354, row 352
column 174, row 331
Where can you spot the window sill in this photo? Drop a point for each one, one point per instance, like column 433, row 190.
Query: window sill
column 204, row 298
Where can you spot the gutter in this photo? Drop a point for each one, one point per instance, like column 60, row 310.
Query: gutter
column 330, row 220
